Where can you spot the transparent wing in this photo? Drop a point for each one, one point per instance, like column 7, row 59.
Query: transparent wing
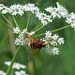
column 33, row 54
column 27, row 35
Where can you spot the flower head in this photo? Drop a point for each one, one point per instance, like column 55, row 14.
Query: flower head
column 48, row 34
column 55, row 51
column 2, row 72
column 21, row 73
column 15, row 65
column 16, row 30
column 21, row 40
column 55, row 37
column 24, row 31
column 53, row 41
column 2, row 6
column 59, row 12
column 54, row 12
column 61, row 41
column 44, row 18
column 17, row 41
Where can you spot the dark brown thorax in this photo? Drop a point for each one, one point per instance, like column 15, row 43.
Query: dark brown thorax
column 37, row 44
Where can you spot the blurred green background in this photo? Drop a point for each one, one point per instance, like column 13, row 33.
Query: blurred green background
column 43, row 63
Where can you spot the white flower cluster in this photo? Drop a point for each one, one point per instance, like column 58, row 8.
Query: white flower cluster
column 44, row 18
column 21, row 40
column 71, row 19
column 59, row 12
column 19, row 9
column 53, row 41
column 2, row 72
column 31, row 7
column 15, row 66
column 21, row 73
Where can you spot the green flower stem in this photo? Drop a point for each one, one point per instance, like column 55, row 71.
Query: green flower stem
column 60, row 29
column 6, row 25
column 37, row 27
column 29, row 20
column 39, row 35
column 43, row 25
column 7, row 20
column 13, row 60
column 15, row 22
column 53, row 31
column 40, row 28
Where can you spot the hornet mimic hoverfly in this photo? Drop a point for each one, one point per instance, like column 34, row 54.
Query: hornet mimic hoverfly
column 35, row 44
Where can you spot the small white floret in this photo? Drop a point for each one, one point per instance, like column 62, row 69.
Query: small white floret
column 61, row 41
column 17, row 41
column 16, row 30
column 55, row 51
column 55, row 37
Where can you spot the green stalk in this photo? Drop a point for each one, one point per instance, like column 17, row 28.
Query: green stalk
column 13, row 60
column 15, row 22
column 7, row 20
column 29, row 20
column 6, row 25
column 40, row 28
column 39, row 35
column 37, row 27
column 53, row 31
column 43, row 25
column 60, row 29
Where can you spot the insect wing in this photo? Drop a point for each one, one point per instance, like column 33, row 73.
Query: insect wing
column 33, row 54
column 31, row 37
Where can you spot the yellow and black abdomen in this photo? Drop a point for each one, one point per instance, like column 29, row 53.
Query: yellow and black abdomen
column 31, row 45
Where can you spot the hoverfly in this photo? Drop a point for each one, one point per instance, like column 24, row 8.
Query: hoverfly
column 35, row 44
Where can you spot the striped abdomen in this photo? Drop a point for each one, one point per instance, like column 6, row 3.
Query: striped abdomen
column 36, row 44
